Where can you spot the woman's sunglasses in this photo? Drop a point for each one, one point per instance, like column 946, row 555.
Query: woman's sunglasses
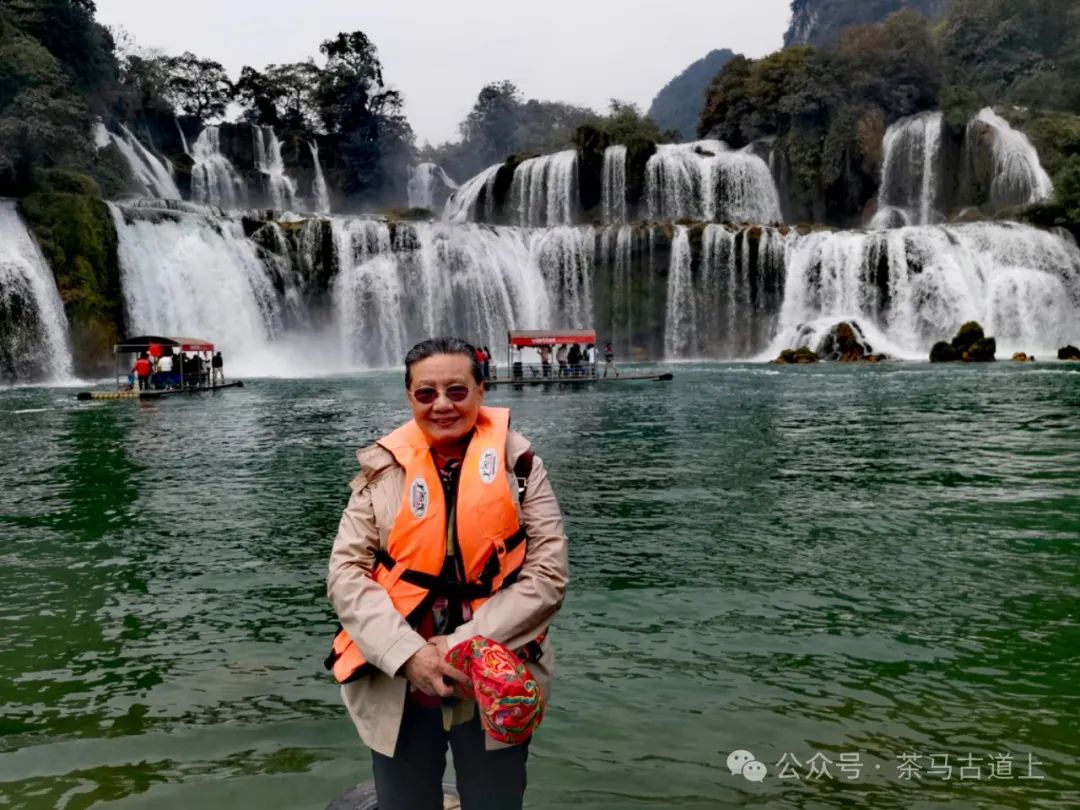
column 455, row 393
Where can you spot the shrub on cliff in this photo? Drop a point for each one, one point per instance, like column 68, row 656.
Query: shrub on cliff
column 77, row 236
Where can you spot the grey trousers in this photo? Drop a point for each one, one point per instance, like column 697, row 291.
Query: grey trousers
column 412, row 778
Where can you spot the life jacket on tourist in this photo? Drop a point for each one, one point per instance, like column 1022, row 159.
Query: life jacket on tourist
column 489, row 535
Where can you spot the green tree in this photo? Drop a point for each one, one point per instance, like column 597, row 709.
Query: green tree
column 375, row 139
column 199, row 87
column 84, row 49
column 259, row 97
column 491, row 125
column 1067, row 189
column 43, row 122
column 296, row 84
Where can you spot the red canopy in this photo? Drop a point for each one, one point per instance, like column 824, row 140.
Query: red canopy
column 551, row 338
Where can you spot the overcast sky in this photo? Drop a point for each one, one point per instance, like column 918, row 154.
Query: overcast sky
column 439, row 53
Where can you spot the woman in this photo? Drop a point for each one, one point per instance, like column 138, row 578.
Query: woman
column 403, row 516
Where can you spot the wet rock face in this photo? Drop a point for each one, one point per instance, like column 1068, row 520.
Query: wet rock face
column 970, row 345
column 796, row 357
column 1021, row 357
column 1069, row 353
column 845, row 343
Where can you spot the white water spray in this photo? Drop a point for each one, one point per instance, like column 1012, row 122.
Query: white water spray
column 213, row 178
column 281, row 189
column 428, row 185
column 463, row 205
column 707, row 182
column 614, row 185
column 545, row 190
column 910, row 173
column 149, row 171
column 320, row 191
column 916, row 286
column 34, row 342
column 1019, row 177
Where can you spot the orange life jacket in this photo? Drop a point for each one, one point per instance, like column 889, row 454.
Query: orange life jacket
column 489, row 535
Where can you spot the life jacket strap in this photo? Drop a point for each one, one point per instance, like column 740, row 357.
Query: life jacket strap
column 436, row 584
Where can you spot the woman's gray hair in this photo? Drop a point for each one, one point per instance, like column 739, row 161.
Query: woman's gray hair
column 442, row 345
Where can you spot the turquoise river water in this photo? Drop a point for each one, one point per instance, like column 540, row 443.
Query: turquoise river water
column 866, row 577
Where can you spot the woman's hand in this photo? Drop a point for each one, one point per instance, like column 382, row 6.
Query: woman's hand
column 429, row 672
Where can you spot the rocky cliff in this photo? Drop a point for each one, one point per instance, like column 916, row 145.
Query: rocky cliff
column 819, row 22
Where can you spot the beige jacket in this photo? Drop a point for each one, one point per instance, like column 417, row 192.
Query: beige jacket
column 513, row 616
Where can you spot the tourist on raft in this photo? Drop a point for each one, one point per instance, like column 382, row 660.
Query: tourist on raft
column 452, row 537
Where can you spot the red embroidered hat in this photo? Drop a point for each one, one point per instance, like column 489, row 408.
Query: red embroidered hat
column 510, row 703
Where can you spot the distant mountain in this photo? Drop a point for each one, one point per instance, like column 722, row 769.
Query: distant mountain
column 678, row 106
column 819, row 22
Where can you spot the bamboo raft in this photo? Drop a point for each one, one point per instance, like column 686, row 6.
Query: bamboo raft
column 534, row 381
column 85, row 396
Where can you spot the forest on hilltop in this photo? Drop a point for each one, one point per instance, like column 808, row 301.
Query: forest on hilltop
column 828, row 108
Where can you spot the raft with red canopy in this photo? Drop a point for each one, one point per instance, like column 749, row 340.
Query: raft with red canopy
column 183, row 350
column 520, row 372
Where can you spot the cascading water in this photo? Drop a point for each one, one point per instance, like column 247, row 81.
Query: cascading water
column 280, row 188
column 911, row 287
column 707, row 182
column 320, row 191
column 396, row 287
column 428, row 186
column 184, row 274
column 1019, row 177
column 681, row 299
column 34, row 343
column 545, row 190
column 614, row 185
column 909, row 176
column 213, row 179
column 463, row 205
column 183, row 138
column 150, row 173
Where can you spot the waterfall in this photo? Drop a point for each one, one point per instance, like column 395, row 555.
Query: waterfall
column 679, row 337
column 396, row 287
column 707, row 182
column 908, row 194
column 566, row 258
column 349, row 292
column 183, row 137
column 427, row 185
column 320, row 191
column 185, row 274
column 154, row 178
column 213, row 178
column 614, row 185
column 281, row 189
column 617, row 254
column 34, row 343
column 463, row 205
column 545, row 190
column 911, row 287
column 1018, row 177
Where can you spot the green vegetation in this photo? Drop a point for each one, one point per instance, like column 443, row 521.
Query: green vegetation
column 503, row 123
column 820, row 22
column 678, row 106
column 829, row 107
column 76, row 234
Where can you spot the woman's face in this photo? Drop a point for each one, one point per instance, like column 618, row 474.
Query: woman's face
column 444, row 421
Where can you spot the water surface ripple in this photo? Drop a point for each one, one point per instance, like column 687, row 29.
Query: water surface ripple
column 789, row 561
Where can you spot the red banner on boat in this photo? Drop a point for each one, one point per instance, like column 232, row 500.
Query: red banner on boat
column 553, row 338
